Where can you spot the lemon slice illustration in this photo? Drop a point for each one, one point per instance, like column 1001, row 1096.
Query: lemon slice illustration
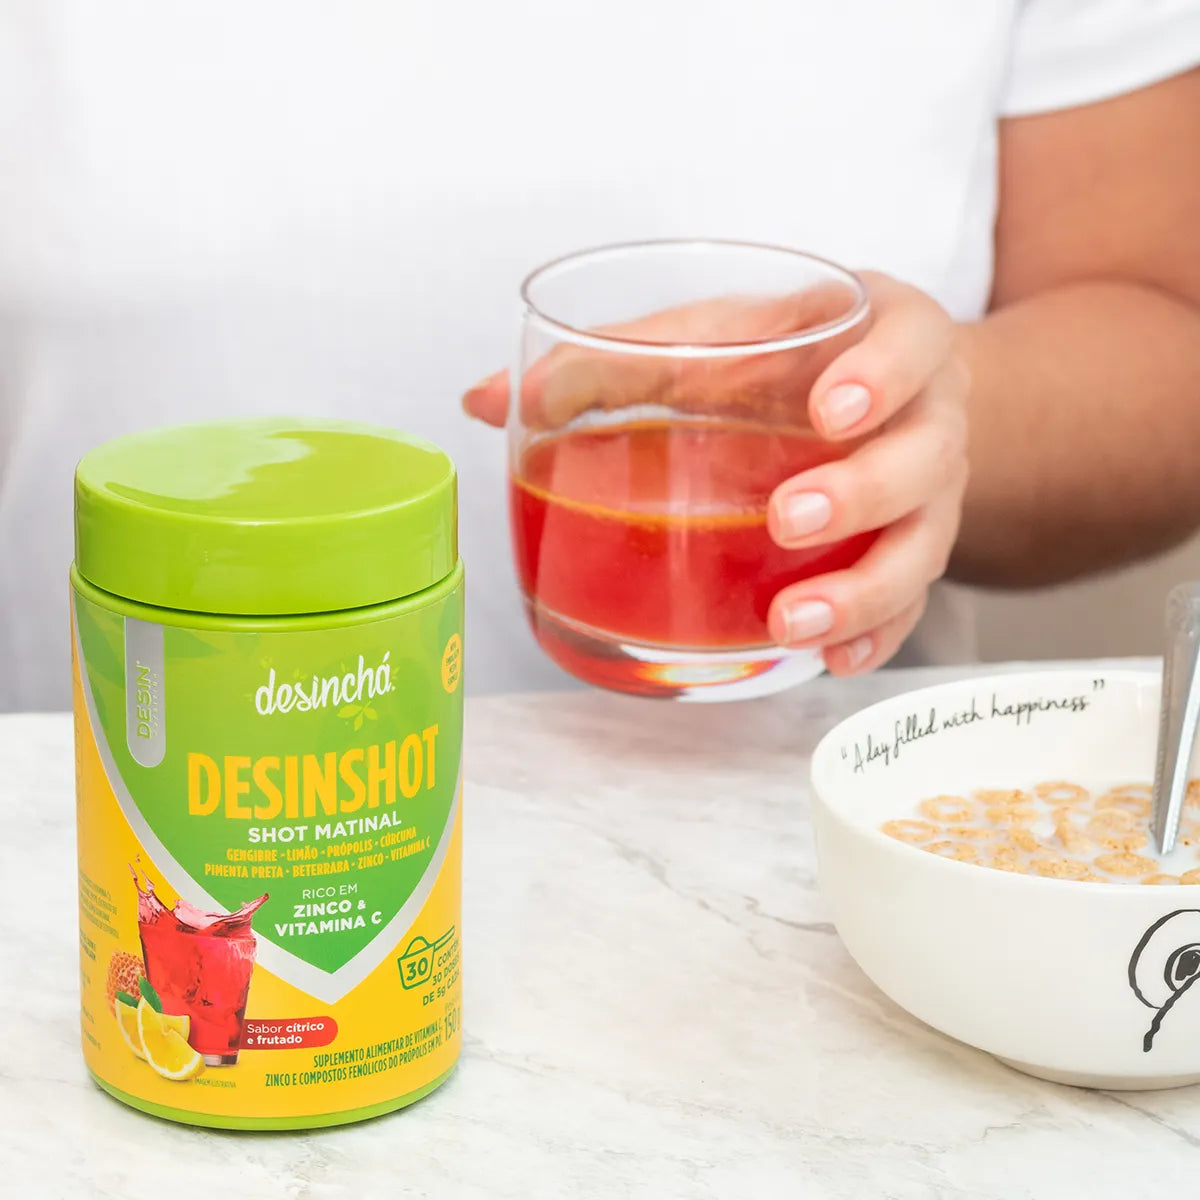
column 127, row 1023
column 181, row 1025
column 166, row 1050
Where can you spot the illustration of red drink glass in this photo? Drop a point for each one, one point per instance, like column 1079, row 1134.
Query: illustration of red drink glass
column 200, row 965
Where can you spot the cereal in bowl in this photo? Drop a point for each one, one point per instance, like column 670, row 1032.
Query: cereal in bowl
column 1057, row 829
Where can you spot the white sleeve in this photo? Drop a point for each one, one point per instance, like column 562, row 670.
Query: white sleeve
column 1071, row 52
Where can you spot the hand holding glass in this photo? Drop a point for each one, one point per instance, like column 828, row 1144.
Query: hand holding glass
column 660, row 398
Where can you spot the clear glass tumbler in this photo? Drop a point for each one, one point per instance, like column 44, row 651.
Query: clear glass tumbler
column 659, row 397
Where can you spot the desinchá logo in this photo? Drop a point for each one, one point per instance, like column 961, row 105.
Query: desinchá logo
column 353, row 687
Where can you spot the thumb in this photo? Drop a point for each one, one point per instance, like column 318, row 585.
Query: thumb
column 487, row 401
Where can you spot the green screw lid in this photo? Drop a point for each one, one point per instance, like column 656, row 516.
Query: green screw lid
column 266, row 517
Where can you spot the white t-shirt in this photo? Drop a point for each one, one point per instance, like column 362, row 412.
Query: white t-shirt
column 326, row 208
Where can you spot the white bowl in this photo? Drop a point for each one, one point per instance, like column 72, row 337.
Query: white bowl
column 1080, row 983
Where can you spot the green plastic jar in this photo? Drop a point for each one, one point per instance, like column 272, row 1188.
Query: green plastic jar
column 268, row 624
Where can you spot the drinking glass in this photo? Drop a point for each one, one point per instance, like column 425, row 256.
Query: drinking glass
column 659, row 397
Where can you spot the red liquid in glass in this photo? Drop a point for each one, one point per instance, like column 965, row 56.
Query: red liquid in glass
column 655, row 534
column 199, row 964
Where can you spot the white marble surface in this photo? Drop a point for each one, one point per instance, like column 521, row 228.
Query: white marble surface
column 655, row 1003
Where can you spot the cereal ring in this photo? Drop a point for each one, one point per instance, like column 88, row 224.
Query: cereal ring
column 1192, row 799
column 1059, row 868
column 1133, row 798
column 1011, row 814
column 909, row 830
column 971, row 833
column 1141, row 791
column 1126, row 864
column 1059, row 792
column 1006, row 859
column 1192, row 876
column 946, row 808
column 1073, row 839
column 1111, row 821
column 1007, row 796
column 1022, row 839
column 959, row 851
column 1125, row 843
column 1157, row 879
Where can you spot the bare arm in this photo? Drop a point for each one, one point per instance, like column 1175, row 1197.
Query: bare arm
column 1085, row 403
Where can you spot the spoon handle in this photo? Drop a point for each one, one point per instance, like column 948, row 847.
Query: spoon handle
column 1179, row 713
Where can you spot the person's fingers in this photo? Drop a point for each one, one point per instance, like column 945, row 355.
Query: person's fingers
column 834, row 608
column 571, row 379
column 921, row 454
column 488, row 400
column 909, row 340
column 870, row 650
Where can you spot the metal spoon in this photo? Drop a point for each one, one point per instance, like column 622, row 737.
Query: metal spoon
column 1179, row 713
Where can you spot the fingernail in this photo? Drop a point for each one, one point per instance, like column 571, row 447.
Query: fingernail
column 858, row 651
column 804, row 513
column 844, row 406
column 806, row 620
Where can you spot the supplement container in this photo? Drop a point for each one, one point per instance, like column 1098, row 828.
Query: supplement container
column 267, row 635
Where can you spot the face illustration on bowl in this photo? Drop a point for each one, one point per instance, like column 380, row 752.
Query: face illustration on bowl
column 1164, row 966
column 983, row 850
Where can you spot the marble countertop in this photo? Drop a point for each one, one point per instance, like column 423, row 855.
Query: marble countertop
column 655, row 1006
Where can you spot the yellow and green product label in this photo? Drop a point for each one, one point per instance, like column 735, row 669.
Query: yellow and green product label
column 312, row 769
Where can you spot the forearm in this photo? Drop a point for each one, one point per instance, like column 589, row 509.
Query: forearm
column 1084, row 436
